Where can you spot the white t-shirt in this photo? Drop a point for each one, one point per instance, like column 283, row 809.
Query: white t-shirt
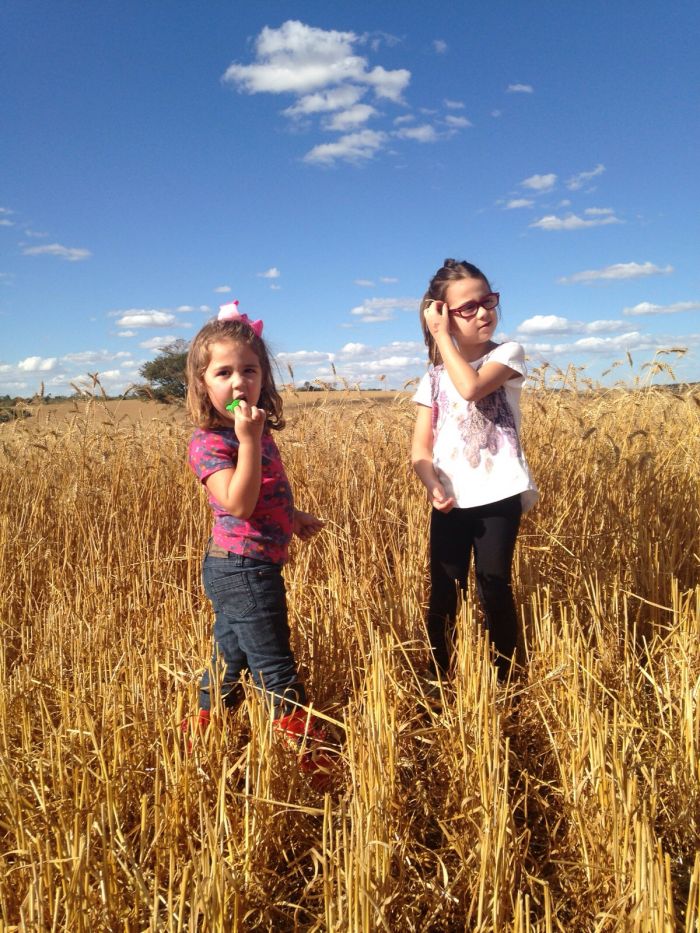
column 477, row 452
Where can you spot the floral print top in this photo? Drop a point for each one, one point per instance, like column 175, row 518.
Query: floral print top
column 268, row 531
column 477, row 452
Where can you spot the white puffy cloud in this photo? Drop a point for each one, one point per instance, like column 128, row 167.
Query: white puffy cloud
column 337, row 98
column 375, row 310
column 300, row 59
column 353, row 116
column 90, row 357
column 126, row 333
column 540, row 182
column 272, row 273
column 439, row 46
column 516, row 203
column 457, row 122
column 646, row 307
column 453, row 104
column 70, row 254
column 365, row 283
column 578, row 181
column 354, row 349
column 598, row 218
column 144, row 318
column 388, row 279
column 520, row 89
column 421, row 134
column 355, row 147
column 616, row 272
column 553, row 324
column 300, row 357
column 37, row 364
column 219, row 290
column 157, row 343
column 4, row 222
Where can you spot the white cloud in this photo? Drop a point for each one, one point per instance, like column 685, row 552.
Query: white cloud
column 439, row 46
column 646, row 307
column 126, row 333
column 70, row 254
column 457, row 122
column 184, row 309
column 6, row 210
column 520, row 89
column 421, row 134
column 304, row 357
column 365, row 283
column 157, row 343
column 219, row 290
column 617, row 271
column 407, row 118
column 37, row 364
column 272, row 273
column 389, row 84
column 375, row 310
column 388, row 279
column 354, row 147
column 34, row 233
column 519, row 202
column 337, row 98
column 496, row 113
column 552, row 324
column 143, row 318
column 453, row 104
column 598, row 211
column 4, row 222
column 275, row 288
column 90, row 357
column 300, row 59
column 574, row 222
column 354, row 349
column 540, row 182
column 347, row 119
column 578, row 181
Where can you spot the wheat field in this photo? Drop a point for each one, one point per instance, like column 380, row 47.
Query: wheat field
column 568, row 800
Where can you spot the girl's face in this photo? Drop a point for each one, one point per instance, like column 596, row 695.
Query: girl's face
column 476, row 329
column 234, row 371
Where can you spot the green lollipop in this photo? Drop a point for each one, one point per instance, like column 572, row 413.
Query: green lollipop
column 233, row 405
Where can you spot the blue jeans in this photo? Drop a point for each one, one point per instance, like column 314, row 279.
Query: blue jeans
column 251, row 631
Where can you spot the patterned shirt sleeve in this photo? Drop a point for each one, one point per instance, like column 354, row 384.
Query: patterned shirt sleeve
column 211, row 451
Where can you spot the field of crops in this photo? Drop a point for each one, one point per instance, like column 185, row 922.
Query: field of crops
column 569, row 800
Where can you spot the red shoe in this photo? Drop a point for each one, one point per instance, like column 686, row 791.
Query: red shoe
column 309, row 739
column 198, row 727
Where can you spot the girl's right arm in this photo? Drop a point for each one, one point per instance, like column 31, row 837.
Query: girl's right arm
column 237, row 490
column 422, row 460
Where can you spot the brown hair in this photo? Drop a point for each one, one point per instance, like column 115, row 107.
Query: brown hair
column 450, row 271
column 199, row 407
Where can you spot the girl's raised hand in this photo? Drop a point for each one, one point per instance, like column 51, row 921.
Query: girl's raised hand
column 249, row 421
column 437, row 318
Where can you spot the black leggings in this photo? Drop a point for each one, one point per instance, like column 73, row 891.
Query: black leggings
column 491, row 531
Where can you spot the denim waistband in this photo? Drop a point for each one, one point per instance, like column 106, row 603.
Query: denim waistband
column 235, row 560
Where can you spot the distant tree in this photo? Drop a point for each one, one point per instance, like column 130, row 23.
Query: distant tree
column 166, row 373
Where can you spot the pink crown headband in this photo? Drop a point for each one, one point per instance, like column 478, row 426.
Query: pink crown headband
column 230, row 312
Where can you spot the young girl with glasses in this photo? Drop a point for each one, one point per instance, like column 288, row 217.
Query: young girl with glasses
column 234, row 404
column 467, row 453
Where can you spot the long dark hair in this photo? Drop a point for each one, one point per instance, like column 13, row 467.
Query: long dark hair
column 450, row 271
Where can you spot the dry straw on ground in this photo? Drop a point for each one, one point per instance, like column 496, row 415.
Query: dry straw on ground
column 568, row 801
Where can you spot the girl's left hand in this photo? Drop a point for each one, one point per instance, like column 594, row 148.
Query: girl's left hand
column 305, row 525
column 437, row 317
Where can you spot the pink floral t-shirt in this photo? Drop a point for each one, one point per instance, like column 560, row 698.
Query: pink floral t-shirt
column 268, row 531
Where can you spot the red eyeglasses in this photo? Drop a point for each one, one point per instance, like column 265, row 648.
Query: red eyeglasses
column 470, row 308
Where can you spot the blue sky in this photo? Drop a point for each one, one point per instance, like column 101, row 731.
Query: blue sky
column 319, row 160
